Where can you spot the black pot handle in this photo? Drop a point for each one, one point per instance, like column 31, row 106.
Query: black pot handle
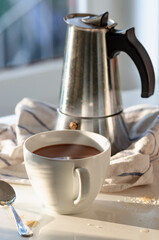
column 126, row 41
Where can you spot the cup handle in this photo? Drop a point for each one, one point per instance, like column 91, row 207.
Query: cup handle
column 84, row 184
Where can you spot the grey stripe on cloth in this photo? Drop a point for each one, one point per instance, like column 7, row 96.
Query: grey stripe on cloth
column 3, row 130
column 53, row 108
column 130, row 174
column 24, row 128
column 5, row 161
column 37, row 119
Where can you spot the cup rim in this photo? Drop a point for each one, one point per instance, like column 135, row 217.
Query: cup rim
column 66, row 130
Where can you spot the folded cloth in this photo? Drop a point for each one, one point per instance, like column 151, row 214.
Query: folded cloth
column 133, row 166
column 15, row 174
column 32, row 116
column 128, row 168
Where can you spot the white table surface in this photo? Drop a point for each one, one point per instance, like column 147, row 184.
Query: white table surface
column 131, row 214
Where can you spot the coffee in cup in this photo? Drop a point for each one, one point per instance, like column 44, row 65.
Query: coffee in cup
column 67, row 151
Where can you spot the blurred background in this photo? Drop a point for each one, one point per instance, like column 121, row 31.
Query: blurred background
column 31, row 31
column 32, row 40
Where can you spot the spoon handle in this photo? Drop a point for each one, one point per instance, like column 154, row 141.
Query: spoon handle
column 23, row 229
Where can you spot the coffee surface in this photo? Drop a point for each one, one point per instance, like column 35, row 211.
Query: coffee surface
column 73, row 151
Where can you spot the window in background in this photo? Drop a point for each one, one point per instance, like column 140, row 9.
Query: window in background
column 31, row 30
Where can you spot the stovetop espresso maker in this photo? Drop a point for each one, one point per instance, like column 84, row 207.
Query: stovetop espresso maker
column 90, row 95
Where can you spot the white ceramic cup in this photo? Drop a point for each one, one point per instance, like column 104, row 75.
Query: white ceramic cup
column 67, row 186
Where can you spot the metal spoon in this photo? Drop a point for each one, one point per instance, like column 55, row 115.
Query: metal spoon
column 7, row 197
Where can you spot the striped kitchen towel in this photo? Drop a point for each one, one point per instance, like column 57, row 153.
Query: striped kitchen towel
column 128, row 168
column 134, row 166
column 32, row 116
